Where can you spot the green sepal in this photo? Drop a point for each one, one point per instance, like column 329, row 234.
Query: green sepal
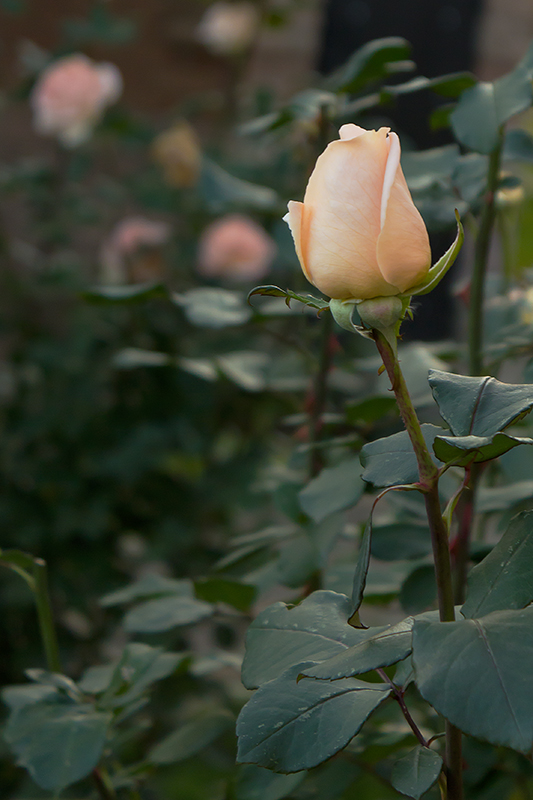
column 439, row 270
column 342, row 311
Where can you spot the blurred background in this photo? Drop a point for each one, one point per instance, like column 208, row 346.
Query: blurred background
column 148, row 149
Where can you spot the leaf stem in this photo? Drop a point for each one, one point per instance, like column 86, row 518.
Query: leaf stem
column 102, row 783
column 44, row 613
column 399, row 697
column 477, row 288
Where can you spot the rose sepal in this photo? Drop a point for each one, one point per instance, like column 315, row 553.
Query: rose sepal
column 377, row 313
column 439, row 270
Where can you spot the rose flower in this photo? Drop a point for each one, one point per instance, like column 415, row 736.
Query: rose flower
column 358, row 233
column 70, row 96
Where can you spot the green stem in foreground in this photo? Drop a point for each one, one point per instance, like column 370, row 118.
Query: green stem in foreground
column 44, row 612
column 428, row 474
column 477, row 289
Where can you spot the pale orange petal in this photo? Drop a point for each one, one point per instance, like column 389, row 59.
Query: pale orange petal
column 294, row 219
column 342, row 217
column 403, row 251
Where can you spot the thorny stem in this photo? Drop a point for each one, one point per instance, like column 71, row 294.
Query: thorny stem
column 399, row 697
column 477, row 289
column 428, row 484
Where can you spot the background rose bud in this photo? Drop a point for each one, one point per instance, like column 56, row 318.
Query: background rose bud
column 357, row 232
column 228, row 29
column 70, row 96
column 177, row 152
column 235, row 247
column 131, row 253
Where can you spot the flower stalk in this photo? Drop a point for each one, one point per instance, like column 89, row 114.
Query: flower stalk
column 428, row 483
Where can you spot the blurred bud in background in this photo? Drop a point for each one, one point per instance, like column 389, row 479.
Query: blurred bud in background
column 228, row 29
column 71, row 95
column 236, row 248
column 132, row 253
column 177, row 152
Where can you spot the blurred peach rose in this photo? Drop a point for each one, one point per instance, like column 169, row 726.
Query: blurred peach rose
column 70, row 96
column 177, row 152
column 358, row 233
column 237, row 248
column 228, row 29
column 132, row 252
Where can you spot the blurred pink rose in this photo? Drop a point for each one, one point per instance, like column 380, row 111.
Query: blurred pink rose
column 131, row 253
column 70, row 96
column 237, row 248
column 228, row 29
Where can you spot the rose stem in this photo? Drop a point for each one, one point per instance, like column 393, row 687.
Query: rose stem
column 428, row 482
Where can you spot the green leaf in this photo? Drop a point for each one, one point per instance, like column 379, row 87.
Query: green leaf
column 482, row 109
column 479, row 406
column 425, row 168
column 371, row 410
column 464, row 450
column 220, row 590
column 213, row 308
column 369, row 64
column 361, row 570
column 451, row 85
column 149, row 586
column 275, row 291
column 391, row 461
column 477, row 674
column 518, row 146
column 500, row 498
column 246, row 368
column 334, row 489
column 138, row 668
column 256, row 783
column 224, row 192
column 191, row 737
column 504, row 579
column 385, row 648
column 280, row 636
column 58, row 742
column 419, row 590
column 134, row 293
column 416, row 772
column 400, row 540
column 291, row 725
column 165, row 613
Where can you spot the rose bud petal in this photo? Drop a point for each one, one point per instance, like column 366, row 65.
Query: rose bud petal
column 358, row 233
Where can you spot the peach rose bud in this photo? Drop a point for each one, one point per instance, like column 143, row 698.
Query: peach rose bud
column 358, row 233
column 228, row 29
column 131, row 254
column 236, row 248
column 177, row 152
column 71, row 95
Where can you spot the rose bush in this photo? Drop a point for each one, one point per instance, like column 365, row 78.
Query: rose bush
column 358, row 233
